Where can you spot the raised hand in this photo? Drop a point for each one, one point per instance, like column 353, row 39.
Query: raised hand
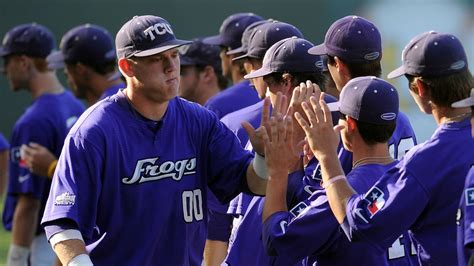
column 322, row 136
column 37, row 158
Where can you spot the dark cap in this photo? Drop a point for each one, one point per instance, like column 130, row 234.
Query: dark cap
column 266, row 35
column 368, row 99
column 199, row 53
column 86, row 43
column 432, row 54
column 145, row 36
column 353, row 39
column 230, row 33
column 288, row 55
column 246, row 37
column 30, row 39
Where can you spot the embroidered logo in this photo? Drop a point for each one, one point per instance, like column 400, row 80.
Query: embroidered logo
column 65, row 199
column 147, row 170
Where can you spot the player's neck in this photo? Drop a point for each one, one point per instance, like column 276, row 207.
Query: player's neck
column 370, row 154
column 148, row 108
column 445, row 115
column 98, row 85
column 237, row 76
column 45, row 82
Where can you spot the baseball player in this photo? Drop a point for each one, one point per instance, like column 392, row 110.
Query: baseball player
column 240, row 94
column 87, row 55
column 136, row 165
column 368, row 119
column 201, row 72
column 46, row 122
column 4, row 154
column 465, row 215
column 422, row 192
column 285, row 65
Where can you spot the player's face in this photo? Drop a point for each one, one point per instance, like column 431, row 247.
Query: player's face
column 345, row 137
column 188, row 84
column 250, row 66
column 16, row 71
column 274, row 87
column 156, row 77
column 74, row 81
column 226, row 62
column 336, row 77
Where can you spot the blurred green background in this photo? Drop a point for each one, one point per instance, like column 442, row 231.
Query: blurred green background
column 398, row 21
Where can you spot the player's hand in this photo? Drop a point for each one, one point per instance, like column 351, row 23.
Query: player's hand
column 323, row 137
column 280, row 107
column 37, row 158
column 277, row 143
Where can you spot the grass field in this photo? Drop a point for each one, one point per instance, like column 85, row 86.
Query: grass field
column 4, row 240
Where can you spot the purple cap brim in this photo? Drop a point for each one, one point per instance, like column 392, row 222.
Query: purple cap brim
column 318, row 50
column 465, row 102
column 3, row 51
column 334, row 106
column 55, row 60
column 240, row 57
column 214, row 40
column 162, row 48
column 236, row 51
column 258, row 73
column 396, row 73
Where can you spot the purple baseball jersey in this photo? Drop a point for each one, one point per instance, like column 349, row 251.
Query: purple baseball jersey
column 310, row 229
column 112, row 90
column 122, row 176
column 46, row 122
column 465, row 221
column 234, row 98
column 421, row 193
column 3, row 143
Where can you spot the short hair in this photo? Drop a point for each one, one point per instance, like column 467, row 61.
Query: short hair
column 372, row 68
column 299, row 77
column 101, row 69
column 373, row 134
column 222, row 81
column 40, row 64
column 445, row 90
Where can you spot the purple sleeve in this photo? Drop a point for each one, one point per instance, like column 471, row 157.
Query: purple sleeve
column 219, row 226
column 388, row 209
column 3, row 143
column 77, row 201
column 58, row 226
column 228, row 163
column 308, row 228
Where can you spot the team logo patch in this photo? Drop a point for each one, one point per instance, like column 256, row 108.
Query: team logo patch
column 469, row 193
column 65, row 199
column 298, row 209
column 375, row 199
column 16, row 157
column 149, row 170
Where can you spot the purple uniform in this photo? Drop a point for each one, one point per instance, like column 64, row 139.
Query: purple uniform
column 421, row 193
column 465, row 221
column 122, row 176
column 46, row 122
column 3, row 143
column 112, row 90
column 234, row 98
column 310, row 229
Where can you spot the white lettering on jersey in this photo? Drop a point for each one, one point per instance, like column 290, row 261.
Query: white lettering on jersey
column 65, row 199
column 158, row 29
column 146, row 170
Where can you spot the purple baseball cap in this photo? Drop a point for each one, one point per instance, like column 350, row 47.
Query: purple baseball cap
column 230, row 33
column 199, row 53
column 353, row 39
column 266, row 35
column 145, row 36
column 368, row 99
column 432, row 54
column 248, row 32
column 30, row 39
column 469, row 101
column 288, row 55
column 86, row 43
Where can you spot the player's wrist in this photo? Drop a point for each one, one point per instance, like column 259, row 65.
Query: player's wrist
column 260, row 167
column 52, row 168
column 80, row 260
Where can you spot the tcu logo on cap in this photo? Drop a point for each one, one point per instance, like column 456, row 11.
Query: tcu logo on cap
column 159, row 29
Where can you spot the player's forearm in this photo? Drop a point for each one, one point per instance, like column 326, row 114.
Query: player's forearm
column 255, row 183
column 69, row 249
column 215, row 252
column 337, row 192
column 3, row 171
column 25, row 220
column 275, row 198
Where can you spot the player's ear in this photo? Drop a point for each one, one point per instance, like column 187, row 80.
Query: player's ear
column 126, row 67
column 288, row 88
column 351, row 124
column 207, row 72
column 422, row 88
